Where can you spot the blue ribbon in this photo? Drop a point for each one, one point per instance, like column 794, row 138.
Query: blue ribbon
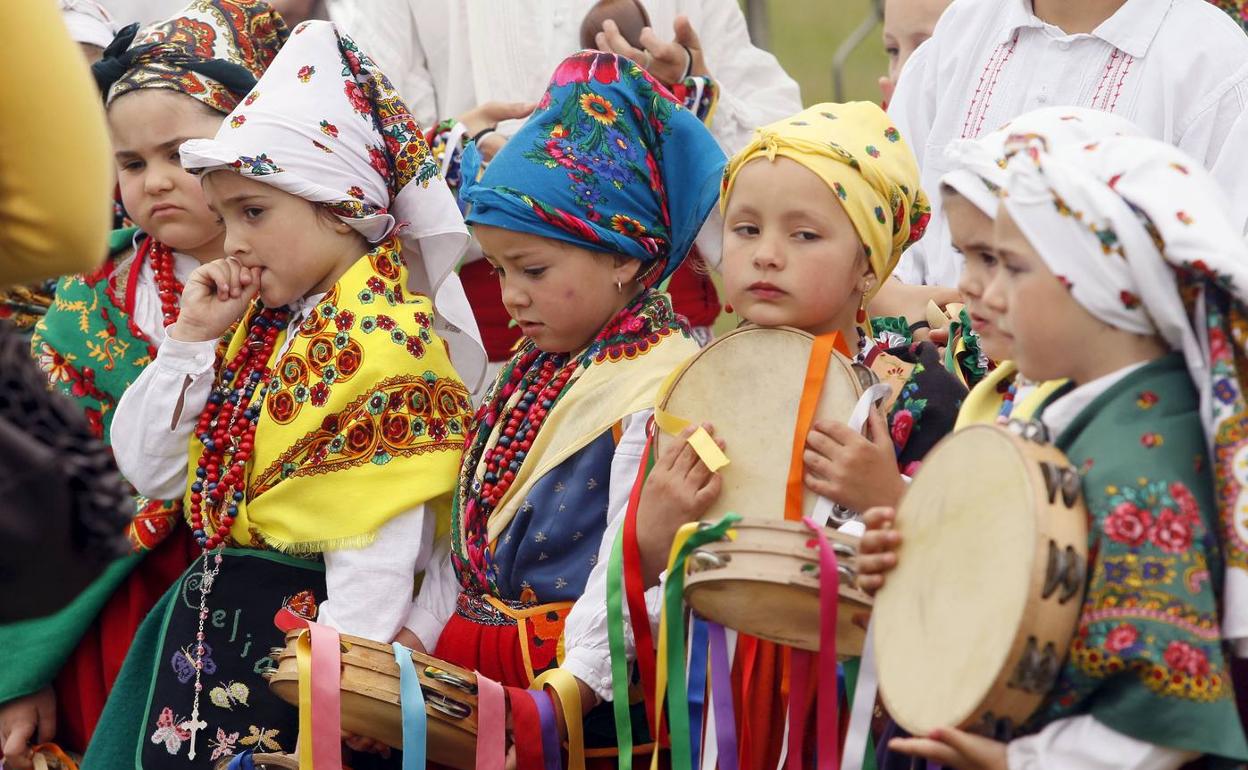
column 698, row 649
column 412, row 700
column 242, row 762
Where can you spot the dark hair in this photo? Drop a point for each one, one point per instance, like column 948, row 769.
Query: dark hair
column 629, row 15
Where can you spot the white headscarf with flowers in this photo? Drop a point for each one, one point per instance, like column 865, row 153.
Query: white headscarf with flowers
column 325, row 124
column 979, row 164
column 1140, row 234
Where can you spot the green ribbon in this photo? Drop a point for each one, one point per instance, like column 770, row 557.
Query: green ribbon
column 619, row 658
column 673, row 607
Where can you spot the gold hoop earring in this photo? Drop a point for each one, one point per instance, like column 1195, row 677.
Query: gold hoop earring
column 619, row 287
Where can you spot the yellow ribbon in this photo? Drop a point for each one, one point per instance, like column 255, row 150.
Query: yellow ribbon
column 707, row 450
column 569, row 691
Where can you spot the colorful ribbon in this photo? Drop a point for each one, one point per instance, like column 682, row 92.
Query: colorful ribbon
column 721, row 697
column 697, row 686
column 635, row 590
column 566, row 687
column 412, row 704
column 828, row 749
column 318, row 656
column 672, row 637
column 491, row 724
column 526, row 730
column 550, row 730
column 619, row 653
column 242, row 761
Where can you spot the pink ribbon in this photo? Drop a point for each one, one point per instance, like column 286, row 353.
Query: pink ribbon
column 828, row 729
column 326, row 698
column 491, row 724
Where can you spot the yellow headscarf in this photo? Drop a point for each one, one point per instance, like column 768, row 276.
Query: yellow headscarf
column 855, row 148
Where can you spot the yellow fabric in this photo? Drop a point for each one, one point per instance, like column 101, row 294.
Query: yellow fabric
column 983, row 403
column 566, row 687
column 56, row 171
column 388, row 435
column 707, row 450
column 857, row 151
column 603, row 396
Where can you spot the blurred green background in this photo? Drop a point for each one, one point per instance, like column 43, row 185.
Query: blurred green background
column 804, row 36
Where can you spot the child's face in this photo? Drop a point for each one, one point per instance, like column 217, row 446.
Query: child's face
column 907, row 23
column 167, row 203
column 971, row 231
column 791, row 254
column 298, row 247
column 1047, row 328
column 559, row 295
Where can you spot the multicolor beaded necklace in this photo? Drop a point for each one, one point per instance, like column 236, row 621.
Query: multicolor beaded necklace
column 227, row 429
column 510, row 419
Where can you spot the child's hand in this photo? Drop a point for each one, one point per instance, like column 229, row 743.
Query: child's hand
column 666, row 60
column 411, row 641
column 26, row 721
column 216, row 295
column 679, row 489
column 877, row 551
column 850, row 469
column 365, row 745
column 489, row 115
column 955, row 749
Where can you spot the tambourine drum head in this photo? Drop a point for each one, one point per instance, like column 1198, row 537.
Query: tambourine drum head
column 949, row 613
column 748, row 384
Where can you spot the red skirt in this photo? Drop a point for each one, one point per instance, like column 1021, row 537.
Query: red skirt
column 495, row 647
column 83, row 684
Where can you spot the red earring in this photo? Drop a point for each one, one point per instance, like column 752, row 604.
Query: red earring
column 728, row 308
column 862, row 315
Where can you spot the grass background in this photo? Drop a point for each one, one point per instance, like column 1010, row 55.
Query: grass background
column 804, row 37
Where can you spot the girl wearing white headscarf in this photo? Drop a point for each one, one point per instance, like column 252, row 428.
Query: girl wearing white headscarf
column 1139, row 235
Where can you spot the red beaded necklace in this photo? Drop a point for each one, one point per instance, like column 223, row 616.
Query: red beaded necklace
column 227, row 429
column 169, row 287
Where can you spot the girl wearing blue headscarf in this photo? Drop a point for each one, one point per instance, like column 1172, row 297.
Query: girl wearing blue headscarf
column 582, row 214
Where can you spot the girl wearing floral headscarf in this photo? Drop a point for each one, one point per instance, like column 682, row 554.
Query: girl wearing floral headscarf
column 970, row 194
column 596, row 200
column 1123, row 273
column 174, row 80
column 312, row 445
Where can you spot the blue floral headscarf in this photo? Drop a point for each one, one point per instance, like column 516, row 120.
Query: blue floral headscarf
column 609, row 161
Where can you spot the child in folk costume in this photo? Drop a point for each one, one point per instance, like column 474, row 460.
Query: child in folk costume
column 989, row 61
column 1122, row 271
column 175, row 80
column 817, row 210
column 596, row 200
column 333, row 422
column 970, row 196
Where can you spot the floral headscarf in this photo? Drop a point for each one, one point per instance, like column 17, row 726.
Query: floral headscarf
column 1141, row 236
column 609, row 161
column 212, row 51
column 979, row 164
column 325, row 124
column 857, row 151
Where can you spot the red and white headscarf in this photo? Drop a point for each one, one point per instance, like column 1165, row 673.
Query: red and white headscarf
column 325, row 124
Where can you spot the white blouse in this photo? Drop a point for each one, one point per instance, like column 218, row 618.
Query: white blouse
column 1176, row 68
column 448, row 56
column 368, row 589
column 148, row 315
column 587, row 653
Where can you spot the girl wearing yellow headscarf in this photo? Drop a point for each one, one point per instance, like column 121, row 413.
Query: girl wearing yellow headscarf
column 817, row 211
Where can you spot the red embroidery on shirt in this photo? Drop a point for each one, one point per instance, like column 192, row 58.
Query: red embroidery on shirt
column 974, row 121
column 1112, row 80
